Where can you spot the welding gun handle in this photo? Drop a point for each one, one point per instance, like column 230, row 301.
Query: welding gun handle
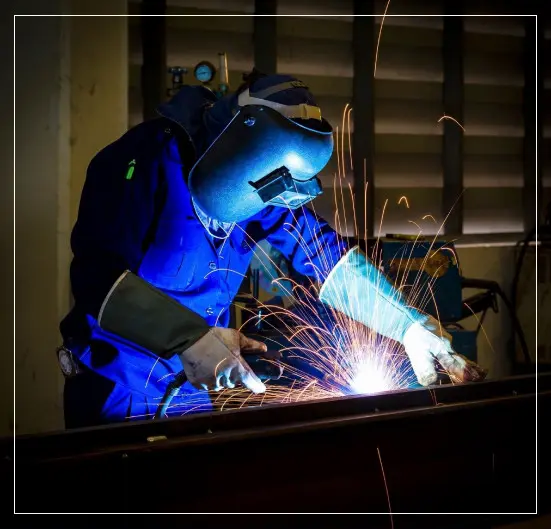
column 262, row 368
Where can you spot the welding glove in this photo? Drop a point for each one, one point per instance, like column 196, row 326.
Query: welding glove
column 215, row 361
column 138, row 312
column 426, row 341
column 356, row 288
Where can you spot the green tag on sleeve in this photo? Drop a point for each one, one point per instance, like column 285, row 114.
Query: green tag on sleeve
column 130, row 170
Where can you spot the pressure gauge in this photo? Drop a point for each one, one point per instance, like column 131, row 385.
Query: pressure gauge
column 204, row 72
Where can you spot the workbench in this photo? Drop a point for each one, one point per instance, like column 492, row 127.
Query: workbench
column 453, row 448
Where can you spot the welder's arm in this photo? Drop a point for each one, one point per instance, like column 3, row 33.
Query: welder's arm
column 211, row 357
column 356, row 288
column 115, row 222
column 307, row 241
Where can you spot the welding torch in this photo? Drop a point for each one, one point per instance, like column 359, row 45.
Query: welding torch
column 262, row 367
column 139, row 313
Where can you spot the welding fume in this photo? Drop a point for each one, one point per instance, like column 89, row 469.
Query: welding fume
column 170, row 217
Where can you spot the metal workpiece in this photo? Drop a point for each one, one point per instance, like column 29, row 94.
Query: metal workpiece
column 406, row 451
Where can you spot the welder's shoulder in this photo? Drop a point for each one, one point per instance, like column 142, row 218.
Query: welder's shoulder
column 136, row 152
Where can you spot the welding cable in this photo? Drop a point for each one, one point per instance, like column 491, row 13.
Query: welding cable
column 517, row 327
column 262, row 367
column 171, row 391
column 494, row 287
column 544, row 230
column 524, row 244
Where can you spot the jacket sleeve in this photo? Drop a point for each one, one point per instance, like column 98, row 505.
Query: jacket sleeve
column 307, row 241
column 115, row 218
column 121, row 201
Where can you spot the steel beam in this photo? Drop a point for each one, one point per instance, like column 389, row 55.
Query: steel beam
column 466, row 448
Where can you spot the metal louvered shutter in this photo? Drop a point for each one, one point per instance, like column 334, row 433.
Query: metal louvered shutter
column 408, row 88
column 494, row 127
column 408, row 105
column 408, row 102
column 318, row 50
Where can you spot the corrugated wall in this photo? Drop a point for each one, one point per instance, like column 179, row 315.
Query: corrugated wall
column 494, row 127
column 193, row 38
column 408, row 99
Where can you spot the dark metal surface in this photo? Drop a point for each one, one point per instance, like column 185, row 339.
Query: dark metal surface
column 467, row 448
column 79, row 442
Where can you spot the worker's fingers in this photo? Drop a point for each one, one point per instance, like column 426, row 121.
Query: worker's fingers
column 210, row 385
column 249, row 379
column 220, row 382
column 249, row 345
column 235, row 377
column 227, row 382
column 423, row 366
column 459, row 368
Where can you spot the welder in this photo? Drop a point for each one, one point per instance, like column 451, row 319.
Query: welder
column 168, row 220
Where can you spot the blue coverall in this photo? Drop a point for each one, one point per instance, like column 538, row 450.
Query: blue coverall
column 136, row 214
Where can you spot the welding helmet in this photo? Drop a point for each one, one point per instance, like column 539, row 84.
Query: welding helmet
column 269, row 153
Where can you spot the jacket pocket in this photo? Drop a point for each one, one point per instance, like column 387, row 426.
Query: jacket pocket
column 172, row 260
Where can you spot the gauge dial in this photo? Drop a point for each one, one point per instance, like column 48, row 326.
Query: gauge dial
column 204, row 72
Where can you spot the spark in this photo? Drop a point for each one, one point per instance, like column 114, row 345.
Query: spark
column 379, row 39
column 405, row 199
column 433, row 397
column 343, row 167
column 151, row 371
column 338, row 152
column 325, row 354
column 481, row 327
column 224, row 270
column 445, row 116
column 349, row 139
column 386, row 488
column 365, row 200
column 218, row 365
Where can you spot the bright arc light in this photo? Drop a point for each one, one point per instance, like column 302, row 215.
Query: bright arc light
column 371, row 376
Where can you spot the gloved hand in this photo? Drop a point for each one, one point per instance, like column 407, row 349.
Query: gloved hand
column 211, row 356
column 426, row 342
column 214, row 362
column 359, row 290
